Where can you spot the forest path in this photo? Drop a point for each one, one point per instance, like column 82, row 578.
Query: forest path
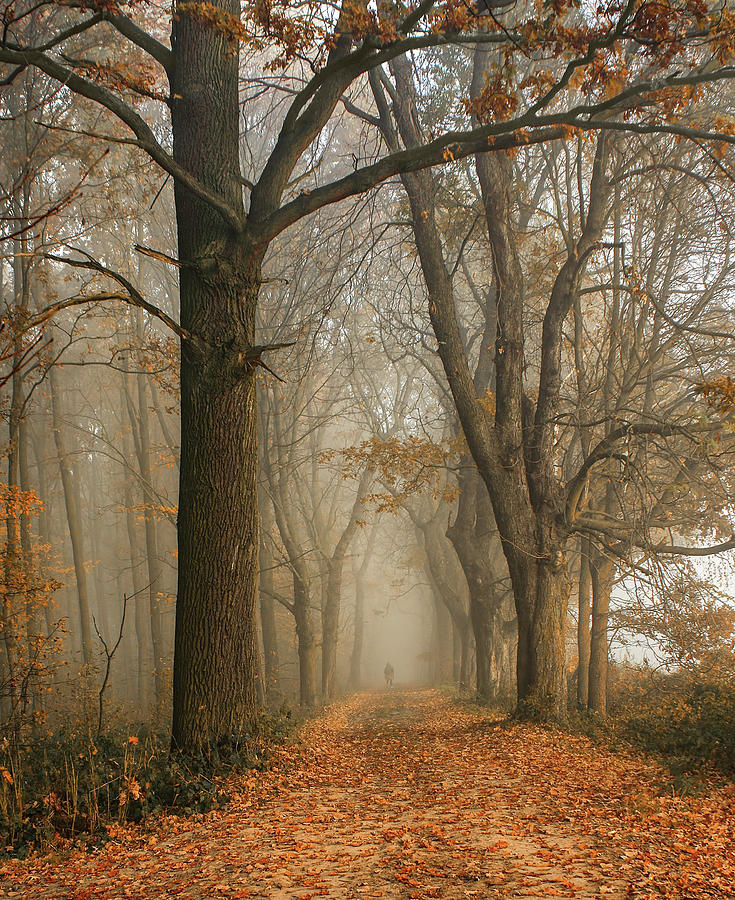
column 402, row 794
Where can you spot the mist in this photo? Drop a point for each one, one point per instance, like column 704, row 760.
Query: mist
column 341, row 344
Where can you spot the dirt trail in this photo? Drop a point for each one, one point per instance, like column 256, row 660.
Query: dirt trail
column 405, row 794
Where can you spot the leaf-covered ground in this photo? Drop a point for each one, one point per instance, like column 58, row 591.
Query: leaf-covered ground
column 406, row 794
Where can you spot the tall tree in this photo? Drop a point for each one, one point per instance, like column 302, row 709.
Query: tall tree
column 221, row 250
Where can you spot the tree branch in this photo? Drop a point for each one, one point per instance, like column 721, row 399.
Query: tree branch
column 605, row 449
column 145, row 138
column 453, row 145
column 132, row 296
column 280, row 598
column 141, row 38
column 73, row 30
column 676, row 550
column 130, row 30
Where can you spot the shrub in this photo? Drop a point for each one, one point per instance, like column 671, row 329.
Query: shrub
column 690, row 720
column 72, row 783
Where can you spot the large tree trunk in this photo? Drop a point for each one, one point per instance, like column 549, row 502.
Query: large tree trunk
column 541, row 589
column 215, row 645
column 215, row 664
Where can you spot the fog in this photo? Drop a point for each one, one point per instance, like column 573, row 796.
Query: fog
column 504, row 483
column 399, row 632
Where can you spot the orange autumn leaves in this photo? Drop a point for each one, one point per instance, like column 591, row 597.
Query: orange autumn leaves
column 614, row 46
column 407, row 794
column 406, row 466
column 719, row 394
column 25, row 588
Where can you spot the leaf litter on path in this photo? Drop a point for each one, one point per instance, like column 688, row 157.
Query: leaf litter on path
column 407, row 794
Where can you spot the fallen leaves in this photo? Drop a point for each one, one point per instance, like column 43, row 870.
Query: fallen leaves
column 406, row 794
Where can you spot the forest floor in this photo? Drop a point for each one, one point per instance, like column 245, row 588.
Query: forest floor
column 402, row 794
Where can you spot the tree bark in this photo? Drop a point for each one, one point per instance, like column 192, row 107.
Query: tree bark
column 602, row 572
column 583, row 625
column 215, row 644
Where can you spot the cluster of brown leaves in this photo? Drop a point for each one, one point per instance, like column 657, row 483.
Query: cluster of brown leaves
column 666, row 32
column 496, row 102
column 691, row 624
column 406, row 466
column 26, row 592
column 661, row 30
column 291, row 29
column 719, row 394
column 405, row 794
column 126, row 74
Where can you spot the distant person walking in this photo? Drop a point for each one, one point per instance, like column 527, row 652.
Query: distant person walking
column 389, row 674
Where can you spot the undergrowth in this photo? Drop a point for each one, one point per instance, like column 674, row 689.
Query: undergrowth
column 73, row 784
column 688, row 721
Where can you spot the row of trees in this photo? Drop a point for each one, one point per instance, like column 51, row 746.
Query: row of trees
column 548, row 279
